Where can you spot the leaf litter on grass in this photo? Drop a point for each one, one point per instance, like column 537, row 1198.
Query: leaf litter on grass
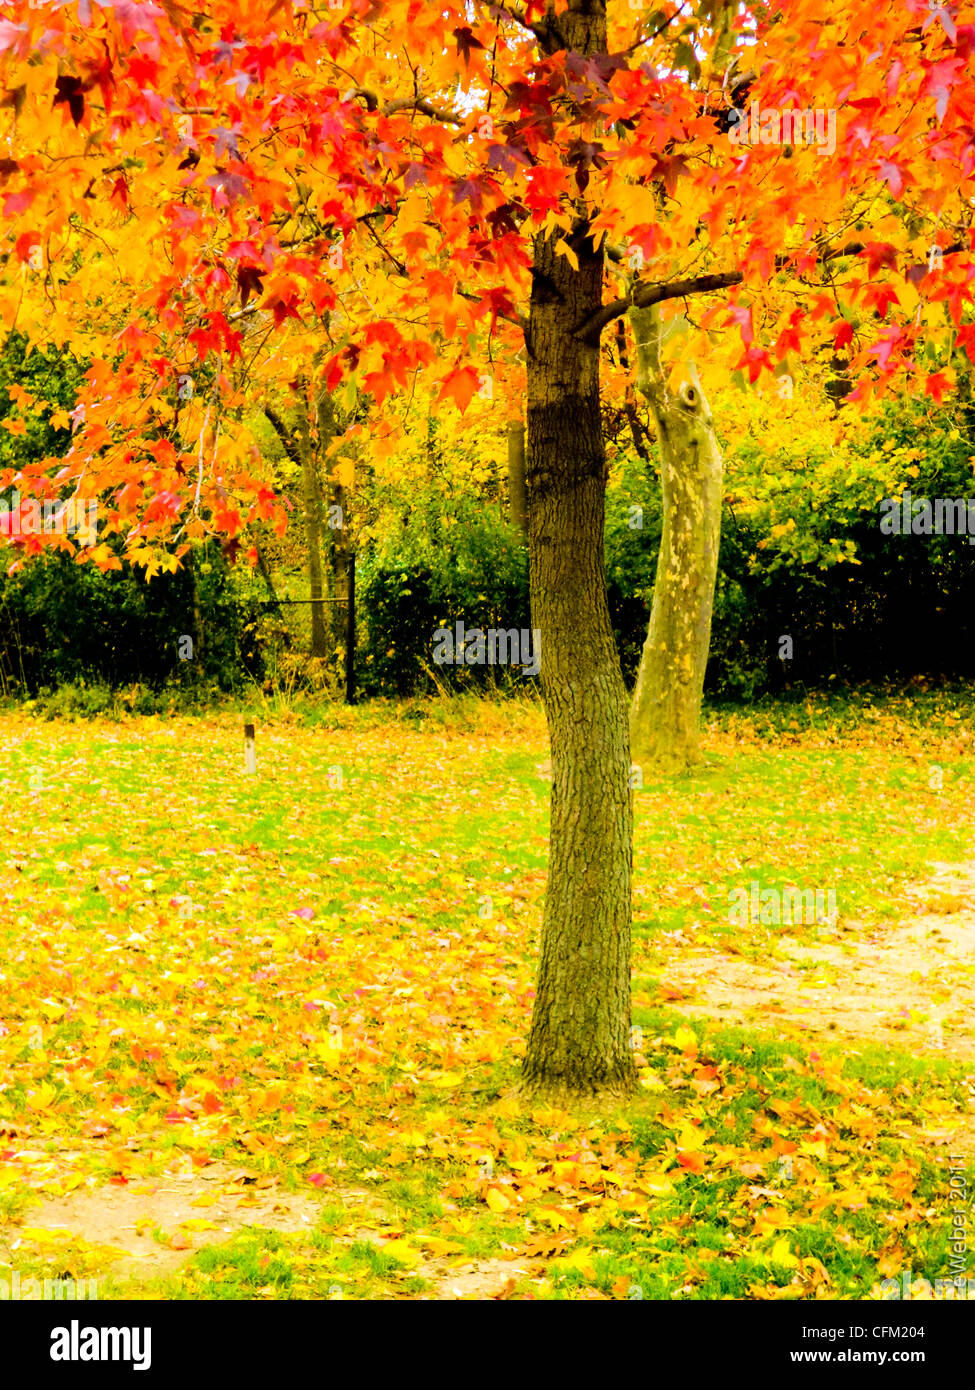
column 329, row 986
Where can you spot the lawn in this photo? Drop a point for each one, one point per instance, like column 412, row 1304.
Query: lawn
column 299, row 1000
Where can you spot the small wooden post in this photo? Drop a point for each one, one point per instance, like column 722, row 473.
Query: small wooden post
column 250, row 749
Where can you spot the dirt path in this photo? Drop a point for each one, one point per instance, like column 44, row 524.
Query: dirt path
column 911, row 985
column 147, row 1230
column 152, row 1227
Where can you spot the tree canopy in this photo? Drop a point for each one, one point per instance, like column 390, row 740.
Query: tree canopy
column 194, row 201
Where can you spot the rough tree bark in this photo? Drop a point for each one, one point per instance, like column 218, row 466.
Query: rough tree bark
column 665, row 712
column 579, row 1042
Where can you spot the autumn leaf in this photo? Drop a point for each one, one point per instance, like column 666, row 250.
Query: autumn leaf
column 459, row 386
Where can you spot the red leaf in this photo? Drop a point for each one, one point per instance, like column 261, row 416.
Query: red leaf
column 459, row 385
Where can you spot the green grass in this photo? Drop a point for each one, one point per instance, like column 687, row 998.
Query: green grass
column 441, row 809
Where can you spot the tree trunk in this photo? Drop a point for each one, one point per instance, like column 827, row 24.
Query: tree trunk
column 579, row 1043
column 516, row 475
column 264, row 570
column 341, row 564
column 340, row 548
column 311, row 497
column 665, row 713
column 197, row 616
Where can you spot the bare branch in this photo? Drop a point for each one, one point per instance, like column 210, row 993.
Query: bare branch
column 517, row 321
column 283, row 433
column 417, row 103
column 642, row 296
column 519, row 17
column 427, row 108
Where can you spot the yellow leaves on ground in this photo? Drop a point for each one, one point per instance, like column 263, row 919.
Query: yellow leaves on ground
column 59, row 1239
column 41, row 1235
column 447, row 1080
column 658, row 1184
column 554, row 1218
column 242, row 995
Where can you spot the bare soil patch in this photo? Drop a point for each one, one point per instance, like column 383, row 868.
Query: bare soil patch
column 146, row 1222
column 911, row 985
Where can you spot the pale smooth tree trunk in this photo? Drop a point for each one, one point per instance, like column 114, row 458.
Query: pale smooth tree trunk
column 579, row 1044
column 665, row 712
column 517, row 503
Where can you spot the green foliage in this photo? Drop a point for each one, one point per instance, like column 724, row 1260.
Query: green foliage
column 437, row 563
column 69, row 628
column 50, row 376
column 64, row 623
column 803, row 556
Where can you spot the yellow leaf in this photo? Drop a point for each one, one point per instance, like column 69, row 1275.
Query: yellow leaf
column 437, row 1246
column 40, row 1235
column 685, row 1039
column 564, row 249
column 104, row 559
column 580, row 1259
column 554, row 1217
column 448, row 1078
column 690, row 1137
column 657, row 1184
column 650, row 1081
column 197, row 1223
column 401, row 1251
column 496, row 1200
column 344, row 473
column 42, row 1098
column 782, row 1255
